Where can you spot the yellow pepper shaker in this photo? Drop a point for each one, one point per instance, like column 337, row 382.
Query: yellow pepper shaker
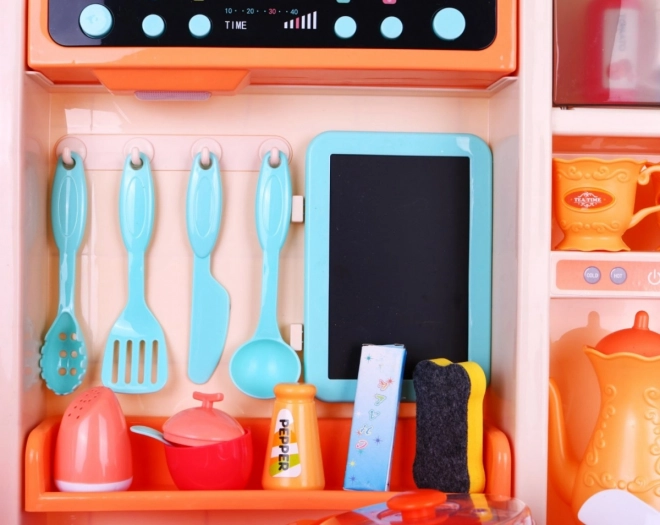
column 293, row 457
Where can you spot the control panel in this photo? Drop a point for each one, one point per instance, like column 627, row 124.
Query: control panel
column 358, row 24
column 611, row 275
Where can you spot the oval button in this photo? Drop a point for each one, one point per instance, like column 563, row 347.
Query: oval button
column 592, row 275
column 391, row 28
column 199, row 26
column 448, row 23
column 95, row 21
column 618, row 275
column 153, row 26
column 345, row 27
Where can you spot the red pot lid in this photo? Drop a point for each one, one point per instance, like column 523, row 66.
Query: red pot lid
column 203, row 425
column 636, row 340
column 431, row 507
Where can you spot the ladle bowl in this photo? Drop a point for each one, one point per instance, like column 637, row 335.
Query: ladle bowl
column 262, row 363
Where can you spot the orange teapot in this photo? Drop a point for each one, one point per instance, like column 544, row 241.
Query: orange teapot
column 624, row 450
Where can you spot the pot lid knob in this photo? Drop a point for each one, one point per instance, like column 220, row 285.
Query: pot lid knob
column 207, row 399
column 636, row 340
column 418, row 505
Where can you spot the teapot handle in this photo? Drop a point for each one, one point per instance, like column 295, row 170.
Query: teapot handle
column 645, row 175
column 641, row 214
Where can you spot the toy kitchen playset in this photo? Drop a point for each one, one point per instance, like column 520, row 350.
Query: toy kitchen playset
column 287, row 261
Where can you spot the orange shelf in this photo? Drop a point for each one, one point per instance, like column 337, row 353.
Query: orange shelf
column 153, row 488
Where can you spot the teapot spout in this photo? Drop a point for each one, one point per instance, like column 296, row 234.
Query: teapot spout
column 562, row 465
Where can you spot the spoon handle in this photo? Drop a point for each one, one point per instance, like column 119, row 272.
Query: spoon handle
column 69, row 215
column 273, row 215
column 150, row 432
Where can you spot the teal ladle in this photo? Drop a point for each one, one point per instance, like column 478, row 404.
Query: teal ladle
column 266, row 360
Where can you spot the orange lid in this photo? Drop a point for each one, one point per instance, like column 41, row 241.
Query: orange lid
column 636, row 340
column 418, row 505
column 431, row 507
column 295, row 391
column 203, row 425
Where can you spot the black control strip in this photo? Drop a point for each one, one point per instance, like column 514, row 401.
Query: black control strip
column 277, row 23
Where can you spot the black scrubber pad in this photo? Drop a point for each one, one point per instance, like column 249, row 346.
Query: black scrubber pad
column 449, row 426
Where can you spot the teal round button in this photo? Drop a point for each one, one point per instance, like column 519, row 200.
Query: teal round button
column 345, row 27
column 153, row 26
column 96, row 21
column 199, row 26
column 448, row 23
column 391, row 27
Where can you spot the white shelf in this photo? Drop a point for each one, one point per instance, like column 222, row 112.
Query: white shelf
column 606, row 122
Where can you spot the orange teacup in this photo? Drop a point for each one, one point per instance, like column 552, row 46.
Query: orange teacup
column 594, row 201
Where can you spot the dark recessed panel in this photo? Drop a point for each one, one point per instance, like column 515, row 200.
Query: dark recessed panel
column 359, row 24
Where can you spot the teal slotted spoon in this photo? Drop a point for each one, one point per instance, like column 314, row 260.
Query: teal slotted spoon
column 136, row 340
column 64, row 356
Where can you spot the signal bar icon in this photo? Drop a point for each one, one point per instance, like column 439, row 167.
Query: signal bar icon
column 307, row 21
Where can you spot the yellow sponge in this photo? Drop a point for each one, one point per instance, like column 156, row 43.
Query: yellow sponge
column 449, row 454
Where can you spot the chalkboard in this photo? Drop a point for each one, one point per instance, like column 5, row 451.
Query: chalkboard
column 399, row 256
column 397, row 250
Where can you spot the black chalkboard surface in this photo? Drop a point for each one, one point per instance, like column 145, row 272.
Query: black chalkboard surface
column 398, row 242
column 399, row 255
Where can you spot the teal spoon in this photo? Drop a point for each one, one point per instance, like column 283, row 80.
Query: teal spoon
column 209, row 317
column 136, row 340
column 266, row 360
column 150, row 432
column 64, row 355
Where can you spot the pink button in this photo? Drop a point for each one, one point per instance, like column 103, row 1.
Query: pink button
column 389, row 2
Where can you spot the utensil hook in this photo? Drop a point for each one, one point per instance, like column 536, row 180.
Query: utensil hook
column 136, row 161
column 67, row 159
column 205, row 158
column 274, row 159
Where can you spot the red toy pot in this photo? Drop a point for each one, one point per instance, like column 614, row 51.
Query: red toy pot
column 225, row 465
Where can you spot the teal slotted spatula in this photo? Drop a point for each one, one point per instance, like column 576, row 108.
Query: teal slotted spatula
column 210, row 301
column 136, row 344
column 64, row 356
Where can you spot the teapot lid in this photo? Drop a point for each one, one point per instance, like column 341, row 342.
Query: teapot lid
column 431, row 507
column 636, row 340
column 203, row 425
